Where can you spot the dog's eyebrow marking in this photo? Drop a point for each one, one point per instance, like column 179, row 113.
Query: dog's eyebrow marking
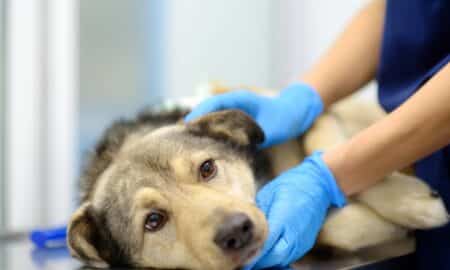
column 146, row 198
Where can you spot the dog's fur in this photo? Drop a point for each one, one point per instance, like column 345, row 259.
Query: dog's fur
column 151, row 163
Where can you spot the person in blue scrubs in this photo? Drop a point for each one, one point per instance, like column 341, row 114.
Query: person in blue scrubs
column 405, row 46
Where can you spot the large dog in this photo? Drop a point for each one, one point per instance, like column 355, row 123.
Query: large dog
column 164, row 194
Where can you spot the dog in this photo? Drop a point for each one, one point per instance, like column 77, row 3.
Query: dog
column 164, row 194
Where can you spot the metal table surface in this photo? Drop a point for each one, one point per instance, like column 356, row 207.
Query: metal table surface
column 17, row 252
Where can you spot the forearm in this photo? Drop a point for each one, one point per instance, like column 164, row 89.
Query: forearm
column 352, row 60
column 417, row 128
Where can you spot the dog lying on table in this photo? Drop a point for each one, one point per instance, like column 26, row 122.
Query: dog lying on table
column 164, row 194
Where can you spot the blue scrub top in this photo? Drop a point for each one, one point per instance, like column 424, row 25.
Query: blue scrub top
column 416, row 45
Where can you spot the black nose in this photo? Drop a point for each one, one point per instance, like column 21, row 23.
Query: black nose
column 235, row 233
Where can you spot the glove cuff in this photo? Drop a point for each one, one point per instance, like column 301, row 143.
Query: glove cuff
column 302, row 91
column 337, row 197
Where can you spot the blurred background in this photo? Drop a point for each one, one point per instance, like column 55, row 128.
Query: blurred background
column 68, row 68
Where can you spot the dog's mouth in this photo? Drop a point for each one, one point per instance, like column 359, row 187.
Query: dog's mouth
column 246, row 256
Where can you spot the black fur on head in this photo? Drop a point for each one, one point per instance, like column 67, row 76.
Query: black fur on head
column 232, row 126
column 93, row 227
column 113, row 138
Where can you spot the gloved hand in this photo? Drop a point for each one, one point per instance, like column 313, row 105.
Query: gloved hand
column 295, row 204
column 283, row 117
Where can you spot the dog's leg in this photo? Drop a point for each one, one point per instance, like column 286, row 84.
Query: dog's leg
column 407, row 201
column 357, row 226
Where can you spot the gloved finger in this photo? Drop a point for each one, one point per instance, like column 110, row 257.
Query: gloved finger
column 264, row 198
column 274, row 235
column 209, row 105
column 266, row 249
column 276, row 231
column 239, row 99
column 273, row 194
column 276, row 256
column 276, row 253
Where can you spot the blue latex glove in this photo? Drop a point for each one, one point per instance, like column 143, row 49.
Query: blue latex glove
column 283, row 117
column 295, row 204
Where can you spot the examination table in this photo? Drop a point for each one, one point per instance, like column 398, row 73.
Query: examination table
column 17, row 252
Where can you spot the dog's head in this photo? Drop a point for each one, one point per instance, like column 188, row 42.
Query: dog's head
column 179, row 196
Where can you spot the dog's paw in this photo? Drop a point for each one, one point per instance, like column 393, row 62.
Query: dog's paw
column 407, row 201
column 356, row 226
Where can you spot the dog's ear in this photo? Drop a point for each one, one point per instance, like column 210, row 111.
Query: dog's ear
column 82, row 238
column 229, row 125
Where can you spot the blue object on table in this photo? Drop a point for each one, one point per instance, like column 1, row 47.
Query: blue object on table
column 49, row 238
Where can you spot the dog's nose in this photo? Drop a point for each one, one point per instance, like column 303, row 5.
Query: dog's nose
column 235, row 233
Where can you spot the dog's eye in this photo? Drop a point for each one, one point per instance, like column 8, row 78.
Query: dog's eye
column 155, row 220
column 208, row 169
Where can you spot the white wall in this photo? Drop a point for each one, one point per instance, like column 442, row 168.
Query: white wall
column 306, row 30
column 218, row 40
column 120, row 62
column 256, row 42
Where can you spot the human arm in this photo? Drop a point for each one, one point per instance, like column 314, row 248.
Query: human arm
column 352, row 60
column 415, row 129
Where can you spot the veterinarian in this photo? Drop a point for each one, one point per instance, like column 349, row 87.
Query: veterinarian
column 405, row 46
